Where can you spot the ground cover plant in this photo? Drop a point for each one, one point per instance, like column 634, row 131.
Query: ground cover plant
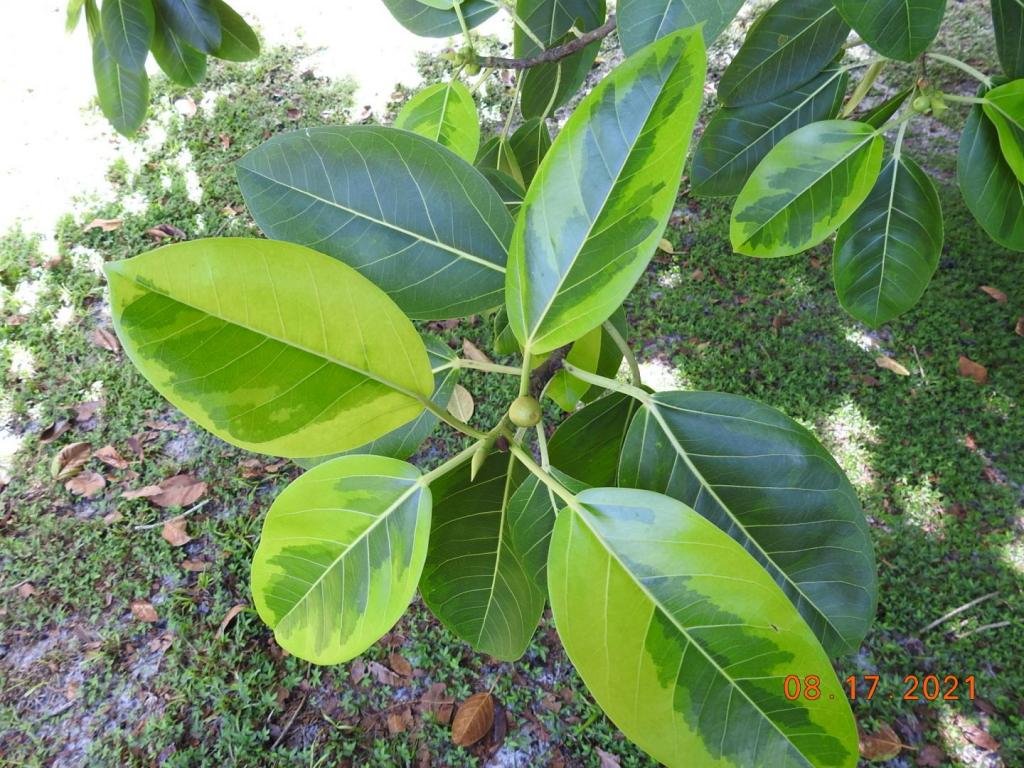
column 565, row 389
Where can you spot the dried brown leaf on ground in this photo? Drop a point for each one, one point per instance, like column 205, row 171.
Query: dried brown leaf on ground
column 54, row 431
column 883, row 744
column 438, row 703
column 400, row 665
column 400, row 721
column 229, row 617
column 979, row 737
column 26, row 590
column 1019, row 328
column 971, row 369
column 85, row 411
column 383, row 675
column 144, row 611
column 195, row 566
column 86, row 484
column 175, row 532
column 107, row 225
column 104, row 338
column 474, row 719
column 608, row 760
column 995, row 293
column 931, row 756
column 145, row 492
column 882, row 361
column 69, row 460
column 473, row 352
column 109, row 455
column 179, row 491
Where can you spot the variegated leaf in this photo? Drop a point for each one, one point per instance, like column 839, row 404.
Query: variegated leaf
column 445, row 113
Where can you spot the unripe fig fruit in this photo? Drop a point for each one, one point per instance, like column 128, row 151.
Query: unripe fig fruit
column 524, row 411
column 922, row 104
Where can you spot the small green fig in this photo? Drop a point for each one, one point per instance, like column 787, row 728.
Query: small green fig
column 922, row 104
column 524, row 411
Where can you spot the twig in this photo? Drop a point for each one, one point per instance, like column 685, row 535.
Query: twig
column 996, row 625
column 919, row 366
column 557, row 53
column 956, row 611
column 162, row 523
column 291, row 720
column 544, row 372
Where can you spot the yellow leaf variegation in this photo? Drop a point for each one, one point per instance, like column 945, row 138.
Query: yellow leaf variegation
column 271, row 346
column 685, row 641
column 340, row 555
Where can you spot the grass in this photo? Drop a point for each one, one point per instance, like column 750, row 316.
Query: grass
column 937, row 460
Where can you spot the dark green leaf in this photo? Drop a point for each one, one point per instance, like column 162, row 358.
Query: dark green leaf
column 483, row 576
column 529, row 144
column 419, row 221
column 991, row 190
column 340, row 555
column 238, row 41
column 425, row 21
column 179, row 61
column 879, row 115
column 641, row 22
column 1004, row 107
column 806, row 186
column 600, row 201
column 790, row 44
column 899, row 29
column 768, row 483
column 123, row 93
column 586, row 446
column 508, row 189
column 445, row 113
column 128, row 30
column 1008, row 19
column 886, row 253
column 685, row 641
column 548, row 86
column 497, row 153
column 300, row 354
column 737, row 139
column 194, row 21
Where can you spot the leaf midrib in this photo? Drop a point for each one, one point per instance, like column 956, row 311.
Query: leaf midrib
column 652, row 408
column 274, row 337
column 381, row 222
column 613, row 555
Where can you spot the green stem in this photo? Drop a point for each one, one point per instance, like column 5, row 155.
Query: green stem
column 963, row 67
column 863, row 87
column 460, row 458
column 508, row 118
column 462, row 23
column 907, row 116
column 609, row 384
column 634, row 368
column 450, row 420
column 898, row 146
column 524, row 381
column 476, row 365
column 483, row 79
column 511, row 11
column 957, row 99
column 527, row 460
column 542, row 446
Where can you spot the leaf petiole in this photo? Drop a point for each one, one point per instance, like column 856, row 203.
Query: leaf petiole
column 610, row 384
column 627, row 353
column 963, row 67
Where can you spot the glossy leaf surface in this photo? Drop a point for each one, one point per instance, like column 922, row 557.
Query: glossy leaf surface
column 414, row 218
column 1008, row 20
column 789, row 44
column 403, row 442
column 886, row 253
column 737, row 139
column 1004, row 107
column 991, row 190
column 684, row 640
column 123, row 93
column 547, row 86
column 445, row 113
column 530, row 142
column 483, row 576
column 194, row 21
column 899, row 29
column 805, row 188
column 340, row 555
column 768, row 483
column 641, row 22
column 586, row 446
column 128, row 30
column 271, row 346
column 179, row 61
column 421, row 19
column 238, row 41
column 601, row 199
